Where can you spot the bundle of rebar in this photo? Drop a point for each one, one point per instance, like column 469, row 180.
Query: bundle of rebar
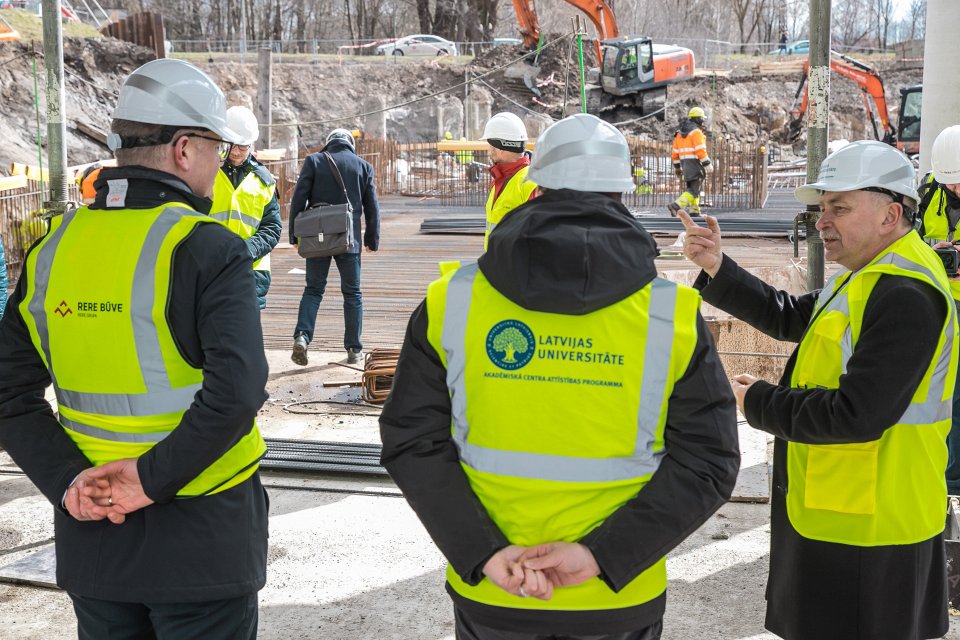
column 378, row 369
column 322, row 457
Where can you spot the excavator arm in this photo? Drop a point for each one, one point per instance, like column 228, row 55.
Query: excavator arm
column 598, row 11
column 871, row 87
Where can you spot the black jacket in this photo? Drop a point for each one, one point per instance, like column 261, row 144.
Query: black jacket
column 317, row 185
column 819, row 590
column 177, row 550
column 572, row 253
column 268, row 233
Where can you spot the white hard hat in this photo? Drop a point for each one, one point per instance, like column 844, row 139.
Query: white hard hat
column 864, row 164
column 341, row 134
column 583, row 153
column 945, row 156
column 242, row 120
column 173, row 93
column 507, row 127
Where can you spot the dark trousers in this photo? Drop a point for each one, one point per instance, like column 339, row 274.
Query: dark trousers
column 953, row 446
column 348, row 264
column 467, row 629
column 233, row 619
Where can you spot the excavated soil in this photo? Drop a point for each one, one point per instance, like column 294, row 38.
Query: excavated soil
column 324, row 93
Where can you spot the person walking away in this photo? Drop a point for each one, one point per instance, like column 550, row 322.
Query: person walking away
column 506, row 136
column 940, row 208
column 245, row 198
column 553, row 462
column 317, row 185
column 690, row 162
column 856, row 547
column 151, row 463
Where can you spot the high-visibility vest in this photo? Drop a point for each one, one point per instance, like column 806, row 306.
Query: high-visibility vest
column 514, row 193
column 936, row 227
column 887, row 491
column 241, row 208
column 559, row 419
column 98, row 285
column 692, row 146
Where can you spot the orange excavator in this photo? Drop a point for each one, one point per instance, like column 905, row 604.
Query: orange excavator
column 634, row 72
column 871, row 87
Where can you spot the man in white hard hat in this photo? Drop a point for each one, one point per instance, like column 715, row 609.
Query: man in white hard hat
column 319, row 184
column 592, row 426
column 245, row 198
column 861, row 412
column 140, row 311
column 506, row 136
column 940, row 205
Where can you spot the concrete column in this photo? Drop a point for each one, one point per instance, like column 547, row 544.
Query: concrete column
column 375, row 125
column 264, row 95
column 941, row 82
column 477, row 110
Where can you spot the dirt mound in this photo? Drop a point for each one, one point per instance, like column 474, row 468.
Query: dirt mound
column 94, row 68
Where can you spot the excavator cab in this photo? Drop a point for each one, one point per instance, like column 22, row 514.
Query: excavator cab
column 627, row 65
column 908, row 127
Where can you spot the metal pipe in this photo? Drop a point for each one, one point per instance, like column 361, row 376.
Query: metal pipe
column 56, row 124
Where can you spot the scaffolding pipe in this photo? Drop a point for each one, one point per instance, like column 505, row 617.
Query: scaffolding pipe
column 56, row 108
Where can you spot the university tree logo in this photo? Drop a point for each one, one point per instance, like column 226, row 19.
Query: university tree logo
column 510, row 344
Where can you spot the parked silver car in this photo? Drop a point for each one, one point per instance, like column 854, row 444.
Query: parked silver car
column 418, row 45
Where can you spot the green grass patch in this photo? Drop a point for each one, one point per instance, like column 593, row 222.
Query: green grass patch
column 30, row 26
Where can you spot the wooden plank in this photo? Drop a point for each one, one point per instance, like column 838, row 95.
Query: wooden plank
column 13, row 182
column 91, row 132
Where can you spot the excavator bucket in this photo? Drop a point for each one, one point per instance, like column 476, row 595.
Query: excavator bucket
column 525, row 73
column 794, row 129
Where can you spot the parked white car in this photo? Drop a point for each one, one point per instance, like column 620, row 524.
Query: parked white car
column 418, row 45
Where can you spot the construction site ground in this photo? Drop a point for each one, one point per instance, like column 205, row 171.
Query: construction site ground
column 348, row 558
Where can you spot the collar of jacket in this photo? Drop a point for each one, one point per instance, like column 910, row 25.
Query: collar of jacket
column 236, row 173
column 148, row 188
column 688, row 127
column 569, row 252
column 503, row 171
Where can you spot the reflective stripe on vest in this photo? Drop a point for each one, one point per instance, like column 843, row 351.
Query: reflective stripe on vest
column 241, row 208
column 516, row 192
column 644, row 460
column 858, row 493
column 118, row 399
column 591, row 435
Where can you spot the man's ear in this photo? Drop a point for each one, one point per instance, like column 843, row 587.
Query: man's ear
column 182, row 153
column 893, row 215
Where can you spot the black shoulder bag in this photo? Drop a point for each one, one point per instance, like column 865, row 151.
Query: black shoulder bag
column 325, row 229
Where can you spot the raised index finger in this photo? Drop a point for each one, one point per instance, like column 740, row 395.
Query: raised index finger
column 688, row 223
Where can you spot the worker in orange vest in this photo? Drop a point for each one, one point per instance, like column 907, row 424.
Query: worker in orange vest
column 690, row 162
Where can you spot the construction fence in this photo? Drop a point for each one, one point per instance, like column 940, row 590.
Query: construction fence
column 456, row 178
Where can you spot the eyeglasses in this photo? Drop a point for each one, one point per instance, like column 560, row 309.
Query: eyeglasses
column 223, row 147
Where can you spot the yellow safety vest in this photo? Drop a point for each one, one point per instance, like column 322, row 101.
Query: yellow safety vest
column 515, row 193
column 936, row 227
column 559, row 419
column 98, row 286
column 241, row 209
column 891, row 490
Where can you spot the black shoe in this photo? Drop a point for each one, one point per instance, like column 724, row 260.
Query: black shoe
column 353, row 356
column 673, row 207
column 299, row 355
